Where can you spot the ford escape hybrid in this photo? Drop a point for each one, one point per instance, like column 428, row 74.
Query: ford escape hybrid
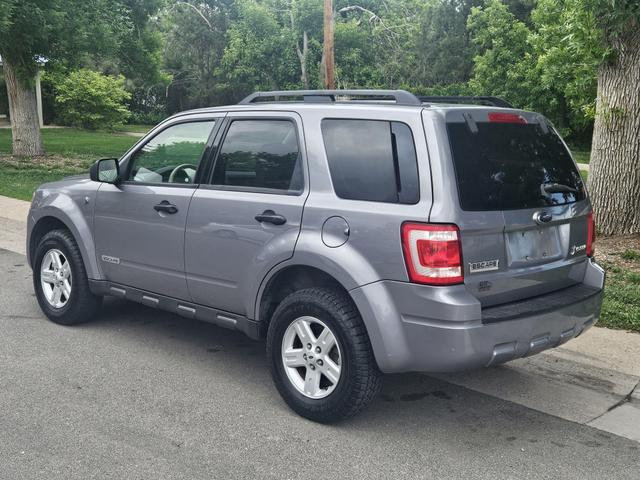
column 358, row 232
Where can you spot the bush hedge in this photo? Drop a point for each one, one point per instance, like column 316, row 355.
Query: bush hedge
column 88, row 99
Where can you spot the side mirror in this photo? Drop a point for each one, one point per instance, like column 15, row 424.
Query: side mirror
column 105, row 170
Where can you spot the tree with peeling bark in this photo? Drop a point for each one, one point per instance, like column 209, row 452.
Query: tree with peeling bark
column 58, row 31
column 614, row 177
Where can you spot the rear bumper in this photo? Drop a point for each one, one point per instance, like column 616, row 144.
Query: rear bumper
column 444, row 329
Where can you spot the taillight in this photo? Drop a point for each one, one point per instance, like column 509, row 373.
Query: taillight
column 433, row 253
column 591, row 234
column 502, row 117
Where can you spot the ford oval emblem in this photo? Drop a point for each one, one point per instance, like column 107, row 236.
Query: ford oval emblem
column 542, row 217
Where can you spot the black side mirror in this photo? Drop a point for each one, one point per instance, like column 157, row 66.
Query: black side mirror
column 105, row 170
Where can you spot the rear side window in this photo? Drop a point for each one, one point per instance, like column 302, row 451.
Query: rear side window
column 372, row 160
column 510, row 166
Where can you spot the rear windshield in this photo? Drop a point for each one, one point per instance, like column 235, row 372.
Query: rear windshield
column 508, row 166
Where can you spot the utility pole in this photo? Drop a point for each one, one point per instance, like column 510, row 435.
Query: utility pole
column 327, row 53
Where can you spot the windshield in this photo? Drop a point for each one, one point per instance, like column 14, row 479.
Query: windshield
column 508, row 166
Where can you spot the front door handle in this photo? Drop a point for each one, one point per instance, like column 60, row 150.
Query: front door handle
column 166, row 207
column 269, row 216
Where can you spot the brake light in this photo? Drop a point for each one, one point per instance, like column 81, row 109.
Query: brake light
column 591, row 234
column 501, row 117
column 433, row 253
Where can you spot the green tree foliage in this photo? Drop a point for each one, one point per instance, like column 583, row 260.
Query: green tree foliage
column 538, row 54
column 568, row 46
column 88, row 99
column 139, row 53
column 504, row 55
column 260, row 53
column 357, row 65
column 443, row 51
column 195, row 40
column 66, row 34
column 61, row 30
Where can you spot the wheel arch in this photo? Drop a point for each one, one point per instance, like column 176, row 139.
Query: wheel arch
column 40, row 229
column 286, row 280
column 52, row 218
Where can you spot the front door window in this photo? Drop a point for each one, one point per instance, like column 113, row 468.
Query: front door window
column 172, row 156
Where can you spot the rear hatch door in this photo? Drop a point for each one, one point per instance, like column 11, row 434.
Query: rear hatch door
column 522, row 204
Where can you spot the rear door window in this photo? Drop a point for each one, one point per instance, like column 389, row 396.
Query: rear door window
column 260, row 155
column 509, row 166
column 371, row 160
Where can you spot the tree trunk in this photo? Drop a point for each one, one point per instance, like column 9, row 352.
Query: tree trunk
column 327, row 51
column 614, row 176
column 302, row 57
column 302, row 54
column 23, row 111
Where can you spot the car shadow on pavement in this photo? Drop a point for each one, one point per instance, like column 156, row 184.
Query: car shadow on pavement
column 231, row 354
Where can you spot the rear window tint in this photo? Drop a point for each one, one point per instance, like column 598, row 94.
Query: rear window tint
column 508, row 166
column 260, row 154
column 372, row 160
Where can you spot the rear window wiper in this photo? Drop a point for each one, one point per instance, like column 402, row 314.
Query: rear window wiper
column 553, row 187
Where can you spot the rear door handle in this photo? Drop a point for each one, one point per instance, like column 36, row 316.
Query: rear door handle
column 166, row 207
column 269, row 216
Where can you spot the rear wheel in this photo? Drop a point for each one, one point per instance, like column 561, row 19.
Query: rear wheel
column 320, row 355
column 60, row 280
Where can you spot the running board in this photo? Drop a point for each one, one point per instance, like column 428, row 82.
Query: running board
column 185, row 309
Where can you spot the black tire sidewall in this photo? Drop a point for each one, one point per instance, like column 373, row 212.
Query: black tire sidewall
column 296, row 400
column 59, row 240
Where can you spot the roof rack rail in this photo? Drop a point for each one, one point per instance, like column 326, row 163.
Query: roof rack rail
column 401, row 97
column 491, row 101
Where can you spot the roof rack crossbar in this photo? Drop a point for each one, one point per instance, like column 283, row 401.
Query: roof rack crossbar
column 401, row 97
column 491, row 101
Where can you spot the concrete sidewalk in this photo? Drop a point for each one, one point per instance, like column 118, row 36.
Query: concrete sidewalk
column 13, row 224
column 591, row 380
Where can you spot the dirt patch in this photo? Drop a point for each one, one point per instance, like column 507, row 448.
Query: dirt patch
column 49, row 162
column 611, row 249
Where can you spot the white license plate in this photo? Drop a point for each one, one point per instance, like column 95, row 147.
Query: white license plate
column 533, row 246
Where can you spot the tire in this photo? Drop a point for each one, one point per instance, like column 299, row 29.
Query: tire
column 359, row 380
column 80, row 305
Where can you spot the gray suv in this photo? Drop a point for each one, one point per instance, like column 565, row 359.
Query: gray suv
column 358, row 232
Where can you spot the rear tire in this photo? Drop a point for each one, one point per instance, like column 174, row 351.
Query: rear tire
column 60, row 280
column 352, row 377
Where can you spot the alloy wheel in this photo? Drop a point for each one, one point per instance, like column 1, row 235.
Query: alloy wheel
column 311, row 357
column 55, row 278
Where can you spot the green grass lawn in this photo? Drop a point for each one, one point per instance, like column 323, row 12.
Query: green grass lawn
column 136, row 128
column 581, row 156
column 21, row 182
column 74, row 142
column 69, row 151
column 585, row 175
column 621, row 306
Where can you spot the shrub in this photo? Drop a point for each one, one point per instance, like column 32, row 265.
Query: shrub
column 88, row 99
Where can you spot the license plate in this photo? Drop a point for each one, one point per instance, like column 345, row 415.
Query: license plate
column 533, row 246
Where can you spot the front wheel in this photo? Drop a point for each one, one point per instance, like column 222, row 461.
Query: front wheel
column 60, row 280
column 320, row 355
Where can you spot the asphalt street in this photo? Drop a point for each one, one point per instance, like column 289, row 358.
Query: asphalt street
column 142, row 394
